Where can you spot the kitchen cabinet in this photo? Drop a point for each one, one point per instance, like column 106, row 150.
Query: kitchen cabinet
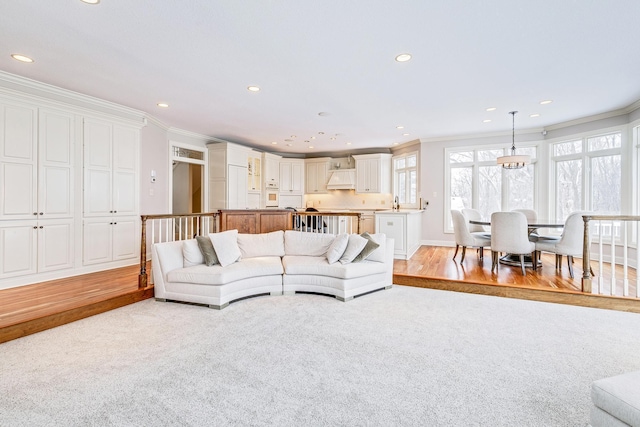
column 291, row 176
column 367, row 222
column 373, row 173
column 316, row 175
column 404, row 226
column 271, row 169
column 228, row 176
column 254, row 172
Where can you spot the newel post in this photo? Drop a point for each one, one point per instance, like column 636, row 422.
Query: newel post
column 586, row 262
column 142, row 278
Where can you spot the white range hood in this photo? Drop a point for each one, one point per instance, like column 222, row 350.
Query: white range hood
column 342, row 179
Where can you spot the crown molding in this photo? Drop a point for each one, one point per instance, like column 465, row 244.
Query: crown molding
column 195, row 135
column 155, row 121
column 26, row 87
column 462, row 137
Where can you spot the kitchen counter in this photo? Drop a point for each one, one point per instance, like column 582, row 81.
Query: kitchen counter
column 402, row 211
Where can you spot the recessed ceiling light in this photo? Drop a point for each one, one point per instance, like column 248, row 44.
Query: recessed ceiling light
column 320, row 133
column 311, row 146
column 348, row 143
column 289, row 145
column 253, row 89
column 396, row 143
column 293, row 136
column 403, row 57
column 486, row 121
column 399, row 127
column 90, row 1
column 333, row 138
column 548, row 101
column 313, row 137
column 323, row 113
column 534, row 115
column 307, row 141
column 405, row 134
column 163, row 105
column 491, row 109
column 274, row 143
column 21, row 58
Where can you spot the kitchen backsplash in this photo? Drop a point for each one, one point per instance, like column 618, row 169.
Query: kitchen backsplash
column 348, row 199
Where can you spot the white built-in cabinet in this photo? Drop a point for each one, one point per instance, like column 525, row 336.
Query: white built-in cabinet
column 36, row 189
column 291, row 176
column 373, row 173
column 271, row 169
column 69, row 190
column 111, row 180
column 316, row 175
column 228, row 173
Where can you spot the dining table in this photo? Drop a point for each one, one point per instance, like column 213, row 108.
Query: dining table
column 532, row 227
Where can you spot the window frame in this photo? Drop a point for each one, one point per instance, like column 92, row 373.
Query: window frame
column 395, row 172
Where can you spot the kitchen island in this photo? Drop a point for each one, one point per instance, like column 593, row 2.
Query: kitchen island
column 403, row 225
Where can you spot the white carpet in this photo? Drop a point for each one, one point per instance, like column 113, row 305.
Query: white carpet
column 401, row 357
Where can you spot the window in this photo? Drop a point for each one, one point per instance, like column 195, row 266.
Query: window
column 588, row 175
column 475, row 180
column 405, row 180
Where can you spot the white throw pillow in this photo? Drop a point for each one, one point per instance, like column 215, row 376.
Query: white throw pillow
column 378, row 254
column 337, row 248
column 226, row 246
column 191, row 253
column 264, row 244
column 354, row 247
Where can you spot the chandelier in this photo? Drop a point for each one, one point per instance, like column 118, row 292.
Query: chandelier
column 513, row 161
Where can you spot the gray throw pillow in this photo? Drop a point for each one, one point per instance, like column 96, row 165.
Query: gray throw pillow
column 205, row 245
column 368, row 249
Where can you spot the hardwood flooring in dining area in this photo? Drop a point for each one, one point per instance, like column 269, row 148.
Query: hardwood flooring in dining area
column 434, row 267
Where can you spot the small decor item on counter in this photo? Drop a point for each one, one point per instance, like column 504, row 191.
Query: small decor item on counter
column 396, row 204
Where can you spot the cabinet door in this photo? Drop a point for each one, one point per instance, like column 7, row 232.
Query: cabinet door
column 297, row 177
column 237, row 187
column 125, row 170
column 311, row 178
column 96, row 240
column 18, row 243
column 18, row 161
column 362, row 176
column 55, row 244
column 55, row 157
column 125, row 232
column 285, row 177
column 97, row 168
column 373, row 176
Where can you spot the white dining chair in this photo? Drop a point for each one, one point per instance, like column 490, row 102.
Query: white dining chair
column 570, row 242
column 465, row 238
column 474, row 215
column 509, row 234
column 532, row 217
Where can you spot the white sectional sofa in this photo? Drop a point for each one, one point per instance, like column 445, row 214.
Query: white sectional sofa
column 271, row 263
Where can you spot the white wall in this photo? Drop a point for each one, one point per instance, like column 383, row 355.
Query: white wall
column 154, row 150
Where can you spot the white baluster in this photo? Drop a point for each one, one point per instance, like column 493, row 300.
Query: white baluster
column 625, row 276
column 613, row 262
column 600, row 259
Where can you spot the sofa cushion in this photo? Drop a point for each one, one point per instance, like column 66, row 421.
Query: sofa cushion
column 226, row 246
column 265, row 244
column 368, row 249
column 619, row 396
column 206, row 248
column 307, row 244
column 191, row 253
column 354, row 247
column 218, row 275
column 378, row 254
column 337, row 248
column 319, row 266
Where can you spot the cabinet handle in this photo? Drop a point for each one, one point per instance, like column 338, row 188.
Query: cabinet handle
column 115, row 223
column 35, row 213
column 110, row 223
column 115, row 211
column 41, row 213
column 35, row 227
column 41, row 227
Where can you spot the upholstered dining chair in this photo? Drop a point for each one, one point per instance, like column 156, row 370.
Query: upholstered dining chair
column 474, row 215
column 532, row 217
column 509, row 234
column 465, row 238
column 570, row 242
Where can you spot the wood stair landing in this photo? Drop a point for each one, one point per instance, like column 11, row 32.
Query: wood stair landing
column 33, row 308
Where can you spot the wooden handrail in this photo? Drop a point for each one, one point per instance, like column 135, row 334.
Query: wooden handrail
column 142, row 277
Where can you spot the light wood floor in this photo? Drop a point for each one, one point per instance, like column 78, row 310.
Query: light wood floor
column 434, row 267
column 29, row 309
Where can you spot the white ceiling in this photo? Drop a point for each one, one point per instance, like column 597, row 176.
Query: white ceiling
column 335, row 56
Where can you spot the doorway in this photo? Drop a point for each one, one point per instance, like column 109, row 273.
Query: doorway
column 188, row 183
